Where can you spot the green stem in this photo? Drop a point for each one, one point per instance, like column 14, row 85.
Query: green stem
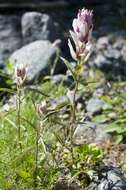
column 43, row 146
column 36, row 157
column 38, row 138
column 74, row 102
column 73, row 119
column 19, row 115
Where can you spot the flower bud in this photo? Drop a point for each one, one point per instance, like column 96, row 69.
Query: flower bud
column 42, row 108
column 81, row 36
column 82, row 25
column 20, row 74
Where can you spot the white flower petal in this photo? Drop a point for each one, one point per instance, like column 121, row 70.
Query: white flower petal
column 75, row 39
column 75, row 24
column 87, row 52
column 73, row 54
column 89, row 46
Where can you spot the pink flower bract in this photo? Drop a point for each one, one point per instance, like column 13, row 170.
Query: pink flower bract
column 81, row 35
column 82, row 25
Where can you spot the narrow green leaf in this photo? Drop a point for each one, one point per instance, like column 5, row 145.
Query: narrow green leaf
column 69, row 67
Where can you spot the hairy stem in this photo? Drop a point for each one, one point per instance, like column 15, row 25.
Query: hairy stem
column 74, row 102
column 36, row 157
column 19, row 115
column 73, row 118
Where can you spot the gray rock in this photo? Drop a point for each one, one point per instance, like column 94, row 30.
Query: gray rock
column 110, row 178
column 65, row 183
column 114, row 67
column 100, row 91
column 38, row 26
column 119, row 43
column 10, row 36
column 95, row 105
column 56, row 79
column 109, row 54
column 101, row 61
column 38, row 56
column 61, row 100
column 102, row 42
column 90, row 132
column 112, row 53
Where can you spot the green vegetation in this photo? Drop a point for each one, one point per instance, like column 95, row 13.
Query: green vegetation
column 18, row 165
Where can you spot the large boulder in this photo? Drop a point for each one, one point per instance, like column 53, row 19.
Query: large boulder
column 38, row 26
column 10, row 36
column 39, row 56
